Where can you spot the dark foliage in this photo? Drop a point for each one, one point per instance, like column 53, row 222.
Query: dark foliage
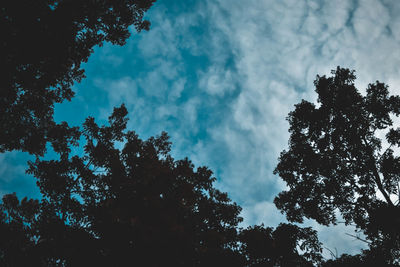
column 137, row 203
column 372, row 257
column 43, row 44
column 128, row 202
column 335, row 161
column 280, row 247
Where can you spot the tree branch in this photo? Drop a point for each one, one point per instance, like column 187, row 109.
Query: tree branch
column 376, row 174
column 359, row 238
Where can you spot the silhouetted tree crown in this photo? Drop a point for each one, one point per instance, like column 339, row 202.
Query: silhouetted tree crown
column 287, row 245
column 336, row 161
column 44, row 43
column 138, row 201
column 126, row 202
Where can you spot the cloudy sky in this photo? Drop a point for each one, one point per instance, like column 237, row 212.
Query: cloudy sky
column 220, row 76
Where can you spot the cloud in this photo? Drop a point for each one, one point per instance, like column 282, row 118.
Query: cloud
column 216, row 81
column 262, row 212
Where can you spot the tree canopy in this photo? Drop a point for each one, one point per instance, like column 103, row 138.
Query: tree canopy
column 340, row 160
column 128, row 201
column 286, row 245
column 44, row 43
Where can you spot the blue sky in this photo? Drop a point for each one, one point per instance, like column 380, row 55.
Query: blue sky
column 221, row 76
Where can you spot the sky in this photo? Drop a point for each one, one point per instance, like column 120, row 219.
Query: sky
column 221, row 76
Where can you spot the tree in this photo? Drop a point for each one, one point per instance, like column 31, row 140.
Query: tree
column 366, row 258
column 34, row 234
column 126, row 201
column 336, row 161
column 44, row 43
column 136, row 203
column 264, row 246
column 16, row 246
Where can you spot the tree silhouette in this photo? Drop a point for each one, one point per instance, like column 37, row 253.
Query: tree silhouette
column 336, row 161
column 126, row 202
column 16, row 245
column 366, row 258
column 264, row 246
column 137, row 201
column 43, row 45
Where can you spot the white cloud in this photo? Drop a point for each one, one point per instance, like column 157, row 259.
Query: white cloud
column 262, row 212
column 216, row 81
column 176, row 89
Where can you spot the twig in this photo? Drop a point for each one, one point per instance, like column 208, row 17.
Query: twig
column 335, row 256
column 359, row 238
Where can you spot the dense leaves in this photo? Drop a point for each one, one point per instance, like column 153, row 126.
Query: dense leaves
column 126, row 202
column 16, row 245
column 336, row 161
column 287, row 245
column 44, row 43
column 372, row 257
column 139, row 203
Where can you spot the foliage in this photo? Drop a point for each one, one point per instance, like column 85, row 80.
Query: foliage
column 336, row 161
column 16, row 245
column 264, row 246
column 372, row 257
column 137, row 201
column 127, row 201
column 44, row 43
